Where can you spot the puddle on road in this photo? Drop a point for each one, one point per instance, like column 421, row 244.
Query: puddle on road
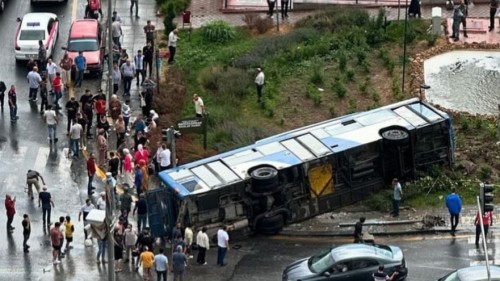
column 466, row 81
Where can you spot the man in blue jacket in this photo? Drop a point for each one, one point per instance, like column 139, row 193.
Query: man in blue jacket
column 454, row 205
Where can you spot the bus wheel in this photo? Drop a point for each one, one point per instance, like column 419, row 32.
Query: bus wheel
column 271, row 225
column 395, row 135
column 264, row 179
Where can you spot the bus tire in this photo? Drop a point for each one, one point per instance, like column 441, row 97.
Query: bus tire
column 264, row 179
column 271, row 225
column 395, row 135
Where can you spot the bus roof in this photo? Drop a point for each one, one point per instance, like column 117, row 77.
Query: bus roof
column 298, row 146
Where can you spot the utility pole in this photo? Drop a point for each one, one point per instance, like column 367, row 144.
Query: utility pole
column 109, row 227
column 404, row 49
column 171, row 137
column 110, row 52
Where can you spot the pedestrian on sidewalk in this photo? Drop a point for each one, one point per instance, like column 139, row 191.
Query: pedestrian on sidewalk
column 203, row 243
column 358, row 231
column 115, row 107
column 69, row 230
column 487, row 220
column 61, row 238
column 259, row 82
column 148, row 52
column 81, row 66
column 165, row 158
column 87, row 107
column 117, row 17
column 146, row 259
column 82, row 120
column 172, row 45
column 118, row 249
column 179, row 262
column 101, row 246
column 117, row 77
column 493, row 11
column 75, row 134
column 51, row 71
column 66, row 63
column 12, row 100
column 34, row 80
column 149, row 30
column 3, row 88
column 42, row 56
column 145, row 174
column 222, row 244
column 101, row 202
column 102, row 144
column 113, row 164
column 72, row 107
column 129, row 239
column 454, row 205
column 139, row 67
column 396, row 197
column 91, row 169
column 126, row 113
column 26, row 223
column 57, row 90
column 136, row 4
column 10, row 207
column 120, row 131
column 128, row 72
column 46, row 203
column 188, row 238
column 127, row 167
column 141, row 154
column 33, row 178
column 85, row 210
column 100, row 105
column 51, row 119
column 464, row 6
column 199, row 107
column 284, row 9
column 55, row 238
column 161, row 265
column 457, row 19
column 270, row 6
column 116, row 31
column 44, row 95
column 141, row 206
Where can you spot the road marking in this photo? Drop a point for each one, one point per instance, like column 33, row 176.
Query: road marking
column 41, row 158
column 74, row 9
column 19, row 154
column 490, row 240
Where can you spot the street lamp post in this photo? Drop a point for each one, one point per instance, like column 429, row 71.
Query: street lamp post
column 110, row 51
column 404, row 48
column 423, row 87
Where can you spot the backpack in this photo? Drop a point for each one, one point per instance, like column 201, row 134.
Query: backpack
column 94, row 5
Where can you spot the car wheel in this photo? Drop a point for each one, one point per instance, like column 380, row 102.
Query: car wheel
column 2, row 5
column 395, row 135
column 264, row 179
column 271, row 225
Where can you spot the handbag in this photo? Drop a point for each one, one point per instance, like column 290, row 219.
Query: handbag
column 135, row 252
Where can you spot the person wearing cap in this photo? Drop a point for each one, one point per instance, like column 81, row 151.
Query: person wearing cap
column 33, row 178
column 45, row 201
column 101, row 202
column 259, row 82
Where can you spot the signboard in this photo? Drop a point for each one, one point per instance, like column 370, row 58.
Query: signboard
column 191, row 125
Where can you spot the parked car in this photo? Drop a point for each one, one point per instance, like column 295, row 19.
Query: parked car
column 473, row 273
column 87, row 35
column 356, row 262
column 31, row 28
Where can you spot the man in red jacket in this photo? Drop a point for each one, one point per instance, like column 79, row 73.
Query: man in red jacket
column 91, row 172
column 10, row 206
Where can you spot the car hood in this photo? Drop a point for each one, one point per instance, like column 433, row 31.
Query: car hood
column 298, row 270
column 92, row 57
column 397, row 253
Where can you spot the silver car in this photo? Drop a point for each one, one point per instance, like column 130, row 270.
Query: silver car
column 473, row 273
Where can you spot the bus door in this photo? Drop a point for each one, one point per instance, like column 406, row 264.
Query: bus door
column 160, row 212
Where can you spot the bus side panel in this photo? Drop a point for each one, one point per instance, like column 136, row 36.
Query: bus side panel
column 157, row 211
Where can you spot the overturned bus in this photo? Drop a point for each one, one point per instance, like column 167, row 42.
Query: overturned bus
column 299, row 174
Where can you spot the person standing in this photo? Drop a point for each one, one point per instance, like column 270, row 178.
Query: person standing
column 396, row 197
column 127, row 167
column 138, row 181
column 222, row 244
column 80, row 67
column 10, row 207
column 117, row 77
column 33, row 178
column 199, row 107
column 55, row 238
column 203, row 245
column 165, row 158
column 130, row 239
column 118, row 249
column 3, row 88
column 139, row 67
column 454, row 205
column 51, row 71
column 34, row 80
column 57, row 90
column 115, row 107
column 126, row 113
column 102, row 144
column 66, row 64
column 270, row 6
column 172, row 45
column 12, row 100
column 259, row 82
column 101, row 202
column 61, row 238
column 116, row 31
column 126, row 200
column 464, row 6
column 75, row 134
column 457, row 19
column 141, row 207
column 69, row 230
column 179, row 262
column 380, row 275
column 358, row 231
column 188, row 238
column 128, row 72
column 136, row 4
column 46, row 203
column 120, row 131
column 149, row 30
column 487, row 220
column 44, row 95
column 161, row 265
column 284, row 9
column 113, row 164
column 26, row 223
column 147, row 260
column 414, row 9
column 91, row 169
column 85, row 210
column 72, row 107
column 51, row 119
column 101, row 248
column 42, row 56
column 493, row 11
column 148, row 52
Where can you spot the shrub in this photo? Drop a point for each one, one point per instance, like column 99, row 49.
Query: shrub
column 349, row 74
column 396, row 88
column 317, row 76
column 342, row 59
column 431, row 39
column 485, row 173
column 209, row 77
column 313, row 93
column 336, row 19
column 353, row 105
column 339, row 88
column 234, row 83
column 218, row 31
column 255, row 22
column 364, row 87
column 249, row 19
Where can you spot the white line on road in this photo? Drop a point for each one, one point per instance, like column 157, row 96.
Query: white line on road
column 433, row 267
column 74, row 9
column 41, row 159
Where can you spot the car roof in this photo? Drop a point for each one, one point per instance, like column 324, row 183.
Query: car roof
column 87, row 28
column 477, row 273
column 353, row 251
column 36, row 20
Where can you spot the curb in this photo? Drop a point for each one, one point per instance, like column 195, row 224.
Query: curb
column 367, row 223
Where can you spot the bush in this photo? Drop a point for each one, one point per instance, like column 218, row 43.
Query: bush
column 218, row 31
column 318, row 75
column 255, row 22
column 349, row 74
column 336, row 19
column 234, row 82
column 339, row 88
column 209, row 77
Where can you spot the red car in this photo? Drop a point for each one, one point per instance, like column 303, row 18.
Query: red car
column 87, row 36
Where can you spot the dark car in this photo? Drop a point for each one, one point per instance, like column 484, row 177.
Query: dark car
column 473, row 273
column 351, row 262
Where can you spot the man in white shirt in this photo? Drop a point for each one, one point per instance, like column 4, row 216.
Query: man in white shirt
column 199, row 107
column 139, row 69
column 51, row 71
column 116, row 32
column 172, row 45
column 101, row 202
column 34, row 80
column 75, row 134
column 165, row 155
column 259, row 81
column 203, row 245
column 222, row 244
column 51, row 119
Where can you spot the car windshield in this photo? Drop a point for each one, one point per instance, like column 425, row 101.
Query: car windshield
column 82, row 45
column 27, row 35
column 321, row 262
